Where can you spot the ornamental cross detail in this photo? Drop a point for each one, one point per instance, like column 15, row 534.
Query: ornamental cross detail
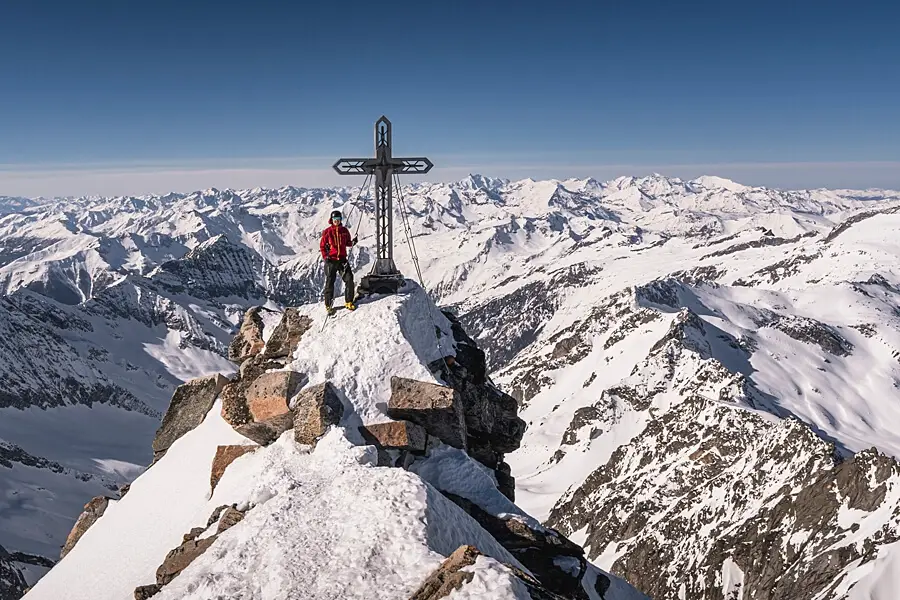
column 384, row 166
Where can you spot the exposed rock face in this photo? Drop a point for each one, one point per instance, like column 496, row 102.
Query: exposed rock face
column 249, row 340
column 317, row 408
column 270, row 394
column 12, row 583
column 398, row 435
column 93, row 510
column 436, row 408
column 230, row 517
column 189, row 406
column 286, row 336
column 708, row 482
column 180, row 558
column 225, row 455
column 449, row 576
column 558, row 563
column 192, row 547
column 492, row 426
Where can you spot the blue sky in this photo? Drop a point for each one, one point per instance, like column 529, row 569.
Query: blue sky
column 783, row 93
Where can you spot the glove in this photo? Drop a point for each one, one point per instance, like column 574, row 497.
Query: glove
column 355, row 240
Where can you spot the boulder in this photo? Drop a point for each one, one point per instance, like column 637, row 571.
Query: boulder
column 286, row 336
column 269, row 395
column 189, row 406
column 249, row 340
column 93, row 510
column 399, row 435
column 316, row 408
column 225, row 455
column 180, row 558
column 266, row 432
column 436, row 408
column 146, row 591
column 449, row 576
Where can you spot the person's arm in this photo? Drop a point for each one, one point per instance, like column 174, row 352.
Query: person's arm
column 322, row 245
column 347, row 241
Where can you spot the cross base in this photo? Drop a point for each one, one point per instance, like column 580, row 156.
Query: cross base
column 380, row 284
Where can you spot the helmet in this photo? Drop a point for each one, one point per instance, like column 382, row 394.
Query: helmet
column 336, row 215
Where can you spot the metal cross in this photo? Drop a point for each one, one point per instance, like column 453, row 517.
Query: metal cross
column 384, row 278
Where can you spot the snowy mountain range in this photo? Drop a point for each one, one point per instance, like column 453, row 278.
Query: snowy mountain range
column 710, row 372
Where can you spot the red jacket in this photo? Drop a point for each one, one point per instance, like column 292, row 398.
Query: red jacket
column 335, row 241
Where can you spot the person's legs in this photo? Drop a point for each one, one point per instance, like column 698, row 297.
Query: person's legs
column 349, row 287
column 330, row 275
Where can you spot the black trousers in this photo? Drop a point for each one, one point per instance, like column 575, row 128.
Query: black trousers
column 332, row 268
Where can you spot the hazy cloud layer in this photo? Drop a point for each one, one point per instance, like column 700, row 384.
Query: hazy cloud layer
column 35, row 181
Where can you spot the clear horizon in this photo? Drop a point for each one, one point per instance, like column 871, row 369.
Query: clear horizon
column 172, row 96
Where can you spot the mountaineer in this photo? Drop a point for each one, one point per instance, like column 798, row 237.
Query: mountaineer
column 335, row 241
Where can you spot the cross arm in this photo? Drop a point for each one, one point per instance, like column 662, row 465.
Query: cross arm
column 419, row 165
column 354, row 166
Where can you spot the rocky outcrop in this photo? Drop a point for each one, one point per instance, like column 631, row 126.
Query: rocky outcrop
column 454, row 574
column 189, row 406
column 180, row 558
column 707, row 485
column 395, row 435
column 492, row 427
column 558, row 563
column 93, row 510
column 225, row 455
column 438, row 409
column 286, row 336
column 316, row 409
column 190, row 549
column 449, row 576
column 249, row 340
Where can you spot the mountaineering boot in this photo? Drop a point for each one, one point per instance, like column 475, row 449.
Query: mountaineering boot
column 350, row 306
column 330, row 310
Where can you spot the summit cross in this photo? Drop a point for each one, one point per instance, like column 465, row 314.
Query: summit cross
column 384, row 277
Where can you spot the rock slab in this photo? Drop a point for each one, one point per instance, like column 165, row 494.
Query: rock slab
column 399, row 435
column 189, row 406
column 270, row 394
column 317, row 408
column 93, row 510
column 436, row 408
column 225, row 455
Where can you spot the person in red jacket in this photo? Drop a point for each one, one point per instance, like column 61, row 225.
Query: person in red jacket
column 334, row 244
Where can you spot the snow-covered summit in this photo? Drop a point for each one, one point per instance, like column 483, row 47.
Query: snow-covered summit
column 336, row 519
